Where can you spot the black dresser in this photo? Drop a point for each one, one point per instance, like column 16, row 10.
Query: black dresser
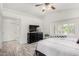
column 34, row 37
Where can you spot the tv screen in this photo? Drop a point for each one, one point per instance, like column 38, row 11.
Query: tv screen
column 33, row 28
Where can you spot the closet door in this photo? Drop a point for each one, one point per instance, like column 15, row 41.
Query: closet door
column 10, row 29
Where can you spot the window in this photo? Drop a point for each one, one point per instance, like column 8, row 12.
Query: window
column 68, row 29
column 64, row 29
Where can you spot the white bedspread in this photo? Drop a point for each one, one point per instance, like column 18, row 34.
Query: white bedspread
column 58, row 47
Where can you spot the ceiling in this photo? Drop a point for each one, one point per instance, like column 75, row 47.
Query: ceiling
column 36, row 11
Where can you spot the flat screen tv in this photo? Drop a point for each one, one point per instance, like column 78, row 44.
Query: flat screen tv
column 33, row 28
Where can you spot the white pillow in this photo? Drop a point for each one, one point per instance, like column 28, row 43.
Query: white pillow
column 74, row 39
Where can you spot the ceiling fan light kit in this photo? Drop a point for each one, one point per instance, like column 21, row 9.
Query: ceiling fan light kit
column 46, row 6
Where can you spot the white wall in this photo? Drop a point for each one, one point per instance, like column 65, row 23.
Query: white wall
column 61, row 16
column 0, row 22
column 1, row 39
column 25, row 20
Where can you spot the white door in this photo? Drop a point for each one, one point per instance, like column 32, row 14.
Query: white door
column 10, row 29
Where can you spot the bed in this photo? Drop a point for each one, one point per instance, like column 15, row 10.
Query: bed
column 58, row 47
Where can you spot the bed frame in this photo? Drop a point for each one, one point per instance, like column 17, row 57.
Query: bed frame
column 38, row 53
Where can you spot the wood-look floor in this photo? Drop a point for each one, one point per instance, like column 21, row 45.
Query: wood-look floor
column 13, row 48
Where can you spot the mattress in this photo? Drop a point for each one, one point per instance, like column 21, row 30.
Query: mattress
column 58, row 47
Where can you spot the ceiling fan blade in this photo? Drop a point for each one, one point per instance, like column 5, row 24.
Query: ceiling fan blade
column 47, row 4
column 53, row 7
column 38, row 5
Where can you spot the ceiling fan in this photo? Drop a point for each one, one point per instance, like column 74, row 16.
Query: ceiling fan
column 46, row 6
